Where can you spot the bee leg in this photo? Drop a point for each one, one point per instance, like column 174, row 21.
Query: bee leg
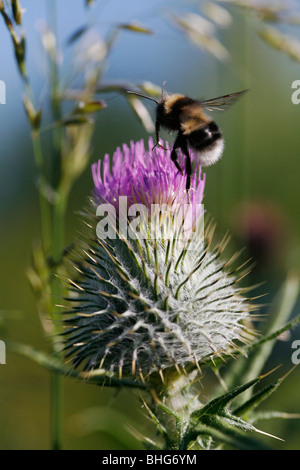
column 174, row 159
column 157, row 129
column 188, row 164
column 174, row 156
column 188, row 169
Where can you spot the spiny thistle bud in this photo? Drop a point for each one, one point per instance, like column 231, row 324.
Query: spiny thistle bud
column 144, row 304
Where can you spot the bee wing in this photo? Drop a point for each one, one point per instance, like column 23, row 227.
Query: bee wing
column 221, row 103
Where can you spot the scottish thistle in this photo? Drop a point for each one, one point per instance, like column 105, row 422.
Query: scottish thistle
column 153, row 306
column 147, row 304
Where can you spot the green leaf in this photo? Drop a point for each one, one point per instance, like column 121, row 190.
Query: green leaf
column 281, row 42
column 37, row 119
column 256, row 399
column 217, row 14
column 250, row 405
column 77, row 34
column 220, row 423
column 136, row 28
column 288, row 326
column 201, row 32
column 76, row 120
column 258, row 352
column 90, row 107
column 147, row 443
column 49, row 362
column 114, row 87
column 17, row 11
column 142, row 113
column 263, row 12
column 218, row 404
column 225, row 434
column 150, row 89
column 34, row 117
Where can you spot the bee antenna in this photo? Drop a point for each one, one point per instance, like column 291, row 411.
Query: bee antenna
column 142, row 96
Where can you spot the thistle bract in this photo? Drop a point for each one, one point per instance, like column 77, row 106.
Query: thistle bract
column 143, row 305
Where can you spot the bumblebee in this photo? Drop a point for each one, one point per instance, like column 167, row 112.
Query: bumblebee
column 195, row 129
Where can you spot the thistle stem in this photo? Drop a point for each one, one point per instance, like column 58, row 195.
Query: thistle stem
column 58, row 235
column 44, row 205
column 57, row 410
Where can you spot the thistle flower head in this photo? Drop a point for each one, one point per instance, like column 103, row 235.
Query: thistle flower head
column 145, row 176
column 144, row 305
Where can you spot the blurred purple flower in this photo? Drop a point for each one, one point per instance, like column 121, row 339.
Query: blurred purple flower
column 264, row 228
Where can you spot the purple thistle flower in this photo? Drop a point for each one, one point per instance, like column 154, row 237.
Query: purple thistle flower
column 149, row 305
column 146, row 177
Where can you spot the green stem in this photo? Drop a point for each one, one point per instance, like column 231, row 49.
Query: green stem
column 57, row 410
column 59, row 212
column 58, row 236
column 55, row 99
column 57, row 293
column 52, row 242
column 44, row 204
